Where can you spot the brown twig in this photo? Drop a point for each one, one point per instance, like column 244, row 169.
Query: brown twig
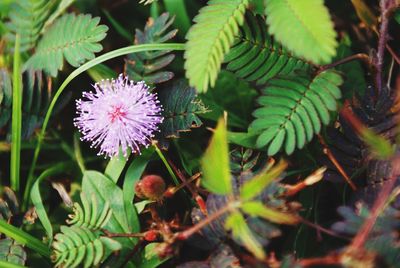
column 332, row 158
column 322, row 229
column 386, row 6
column 195, row 228
column 327, row 260
column 360, row 56
column 110, row 235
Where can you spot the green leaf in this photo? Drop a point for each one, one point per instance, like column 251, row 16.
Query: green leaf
column 12, row 252
column 247, row 140
column 27, row 18
column 6, row 264
column 61, row 8
column 148, row 65
column 353, row 73
column 258, row 57
column 178, row 9
column 75, row 245
column 16, row 119
column 93, row 215
column 24, row 238
column 150, row 257
column 37, row 200
column 233, row 96
column 215, row 163
column 105, row 190
column 210, row 39
column 241, row 231
column 115, row 166
column 293, row 109
column 257, row 209
column 141, row 205
column 306, row 20
column 75, row 38
column 133, row 174
column 181, row 109
column 257, row 184
column 100, row 72
column 5, row 97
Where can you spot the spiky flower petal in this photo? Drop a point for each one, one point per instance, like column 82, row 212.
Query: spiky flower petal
column 118, row 114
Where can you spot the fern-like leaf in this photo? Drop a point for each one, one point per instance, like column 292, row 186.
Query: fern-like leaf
column 146, row 65
column 181, row 109
column 256, row 56
column 12, row 252
column 37, row 97
column 72, row 37
column 91, row 215
column 76, row 245
column 294, row 108
column 304, row 27
column 210, row 39
column 5, row 97
column 27, row 18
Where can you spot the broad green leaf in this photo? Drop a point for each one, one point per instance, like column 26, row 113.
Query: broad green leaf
column 244, row 139
column 236, row 223
column 133, row 174
column 215, row 163
column 232, row 95
column 257, row 184
column 304, row 27
column 115, row 167
column 105, row 189
column 257, row 209
column 378, row 145
column 141, row 205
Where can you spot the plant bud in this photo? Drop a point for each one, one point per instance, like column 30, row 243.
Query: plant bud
column 150, row 236
column 151, row 187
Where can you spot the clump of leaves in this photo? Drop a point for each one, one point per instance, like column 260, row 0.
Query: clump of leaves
column 217, row 178
column 147, row 66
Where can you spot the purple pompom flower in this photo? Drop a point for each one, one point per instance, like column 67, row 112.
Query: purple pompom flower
column 119, row 114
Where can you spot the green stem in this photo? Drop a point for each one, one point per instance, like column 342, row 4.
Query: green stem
column 24, row 238
column 75, row 73
column 16, row 120
column 164, row 160
column 78, row 153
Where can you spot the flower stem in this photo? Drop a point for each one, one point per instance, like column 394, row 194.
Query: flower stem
column 167, row 165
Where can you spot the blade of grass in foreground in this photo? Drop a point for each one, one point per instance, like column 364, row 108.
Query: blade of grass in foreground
column 24, row 238
column 16, row 119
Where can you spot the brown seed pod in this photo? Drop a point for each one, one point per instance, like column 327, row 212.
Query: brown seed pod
column 150, row 187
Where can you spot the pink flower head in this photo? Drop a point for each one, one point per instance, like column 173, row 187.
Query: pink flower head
column 119, row 114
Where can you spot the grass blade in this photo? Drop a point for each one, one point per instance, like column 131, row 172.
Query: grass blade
column 24, row 238
column 16, row 118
